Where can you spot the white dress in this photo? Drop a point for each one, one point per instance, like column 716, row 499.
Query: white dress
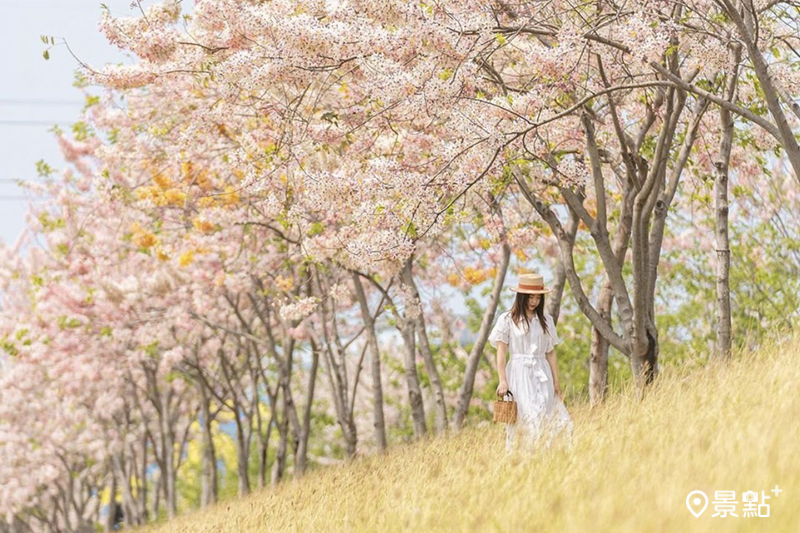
column 530, row 380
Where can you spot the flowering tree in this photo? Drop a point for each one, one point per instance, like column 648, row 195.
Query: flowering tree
column 293, row 177
column 432, row 99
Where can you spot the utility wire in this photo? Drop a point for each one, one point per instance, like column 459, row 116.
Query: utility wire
column 34, row 123
column 12, row 101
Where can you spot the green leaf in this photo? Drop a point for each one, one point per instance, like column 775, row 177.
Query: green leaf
column 46, row 54
column 331, row 117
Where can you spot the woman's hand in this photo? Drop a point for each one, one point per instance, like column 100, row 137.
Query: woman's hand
column 558, row 393
column 502, row 388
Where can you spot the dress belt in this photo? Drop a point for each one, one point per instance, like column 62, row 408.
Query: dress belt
column 529, row 360
column 525, row 355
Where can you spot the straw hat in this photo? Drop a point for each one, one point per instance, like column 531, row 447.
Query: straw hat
column 531, row 284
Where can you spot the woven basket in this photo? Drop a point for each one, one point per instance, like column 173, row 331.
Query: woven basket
column 505, row 411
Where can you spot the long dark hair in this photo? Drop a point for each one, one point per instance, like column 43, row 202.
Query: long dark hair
column 519, row 311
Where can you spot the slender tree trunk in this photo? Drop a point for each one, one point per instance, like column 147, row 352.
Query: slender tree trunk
column 334, row 360
column 112, row 503
column 242, row 454
column 263, row 448
column 338, row 383
column 412, row 380
column 375, row 363
column 302, row 450
column 209, row 490
column 128, row 503
column 474, row 358
column 721, row 207
column 560, row 277
column 156, row 503
column 279, row 466
column 440, row 408
column 598, row 357
column 142, row 480
column 642, row 363
column 170, row 474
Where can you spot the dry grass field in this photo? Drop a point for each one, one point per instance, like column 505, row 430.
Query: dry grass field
column 710, row 427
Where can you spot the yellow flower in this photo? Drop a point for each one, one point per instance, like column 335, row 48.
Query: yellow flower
column 186, row 258
column 202, row 180
column 174, row 197
column 453, row 279
column 231, row 197
column 141, row 237
column 145, row 240
column 520, row 254
column 284, row 284
column 186, row 170
column 207, row 201
column 475, row 276
column 203, row 225
column 143, row 193
column 162, row 181
column 161, row 255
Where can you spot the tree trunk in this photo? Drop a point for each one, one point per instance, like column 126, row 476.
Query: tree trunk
column 721, row 207
column 555, row 298
column 375, row 363
column 440, row 407
column 473, row 360
column 412, row 380
column 156, row 503
column 334, row 358
column 344, row 416
column 242, row 455
column 263, row 448
column 598, row 356
column 128, row 503
column 168, row 451
column 279, row 465
column 209, row 490
column 302, row 450
column 142, row 480
column 112, row 503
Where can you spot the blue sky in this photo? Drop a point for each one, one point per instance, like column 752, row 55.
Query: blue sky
column 36, row 94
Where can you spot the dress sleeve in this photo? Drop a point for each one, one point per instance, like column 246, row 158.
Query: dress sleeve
column 501, row 330
column 552, row 334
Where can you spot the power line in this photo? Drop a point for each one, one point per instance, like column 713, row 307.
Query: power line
column 12, row 101
column 34, row 123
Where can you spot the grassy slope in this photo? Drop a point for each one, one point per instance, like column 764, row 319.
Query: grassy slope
column 717, row 427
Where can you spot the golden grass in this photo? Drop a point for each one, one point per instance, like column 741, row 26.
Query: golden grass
column 719, row 427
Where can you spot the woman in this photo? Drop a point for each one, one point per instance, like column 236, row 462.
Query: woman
column 528, row 334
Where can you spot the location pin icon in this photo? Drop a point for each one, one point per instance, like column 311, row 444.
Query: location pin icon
column 697, row 501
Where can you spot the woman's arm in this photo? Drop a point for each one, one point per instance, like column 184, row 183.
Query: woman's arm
column 502, row 349
column 551, row 358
